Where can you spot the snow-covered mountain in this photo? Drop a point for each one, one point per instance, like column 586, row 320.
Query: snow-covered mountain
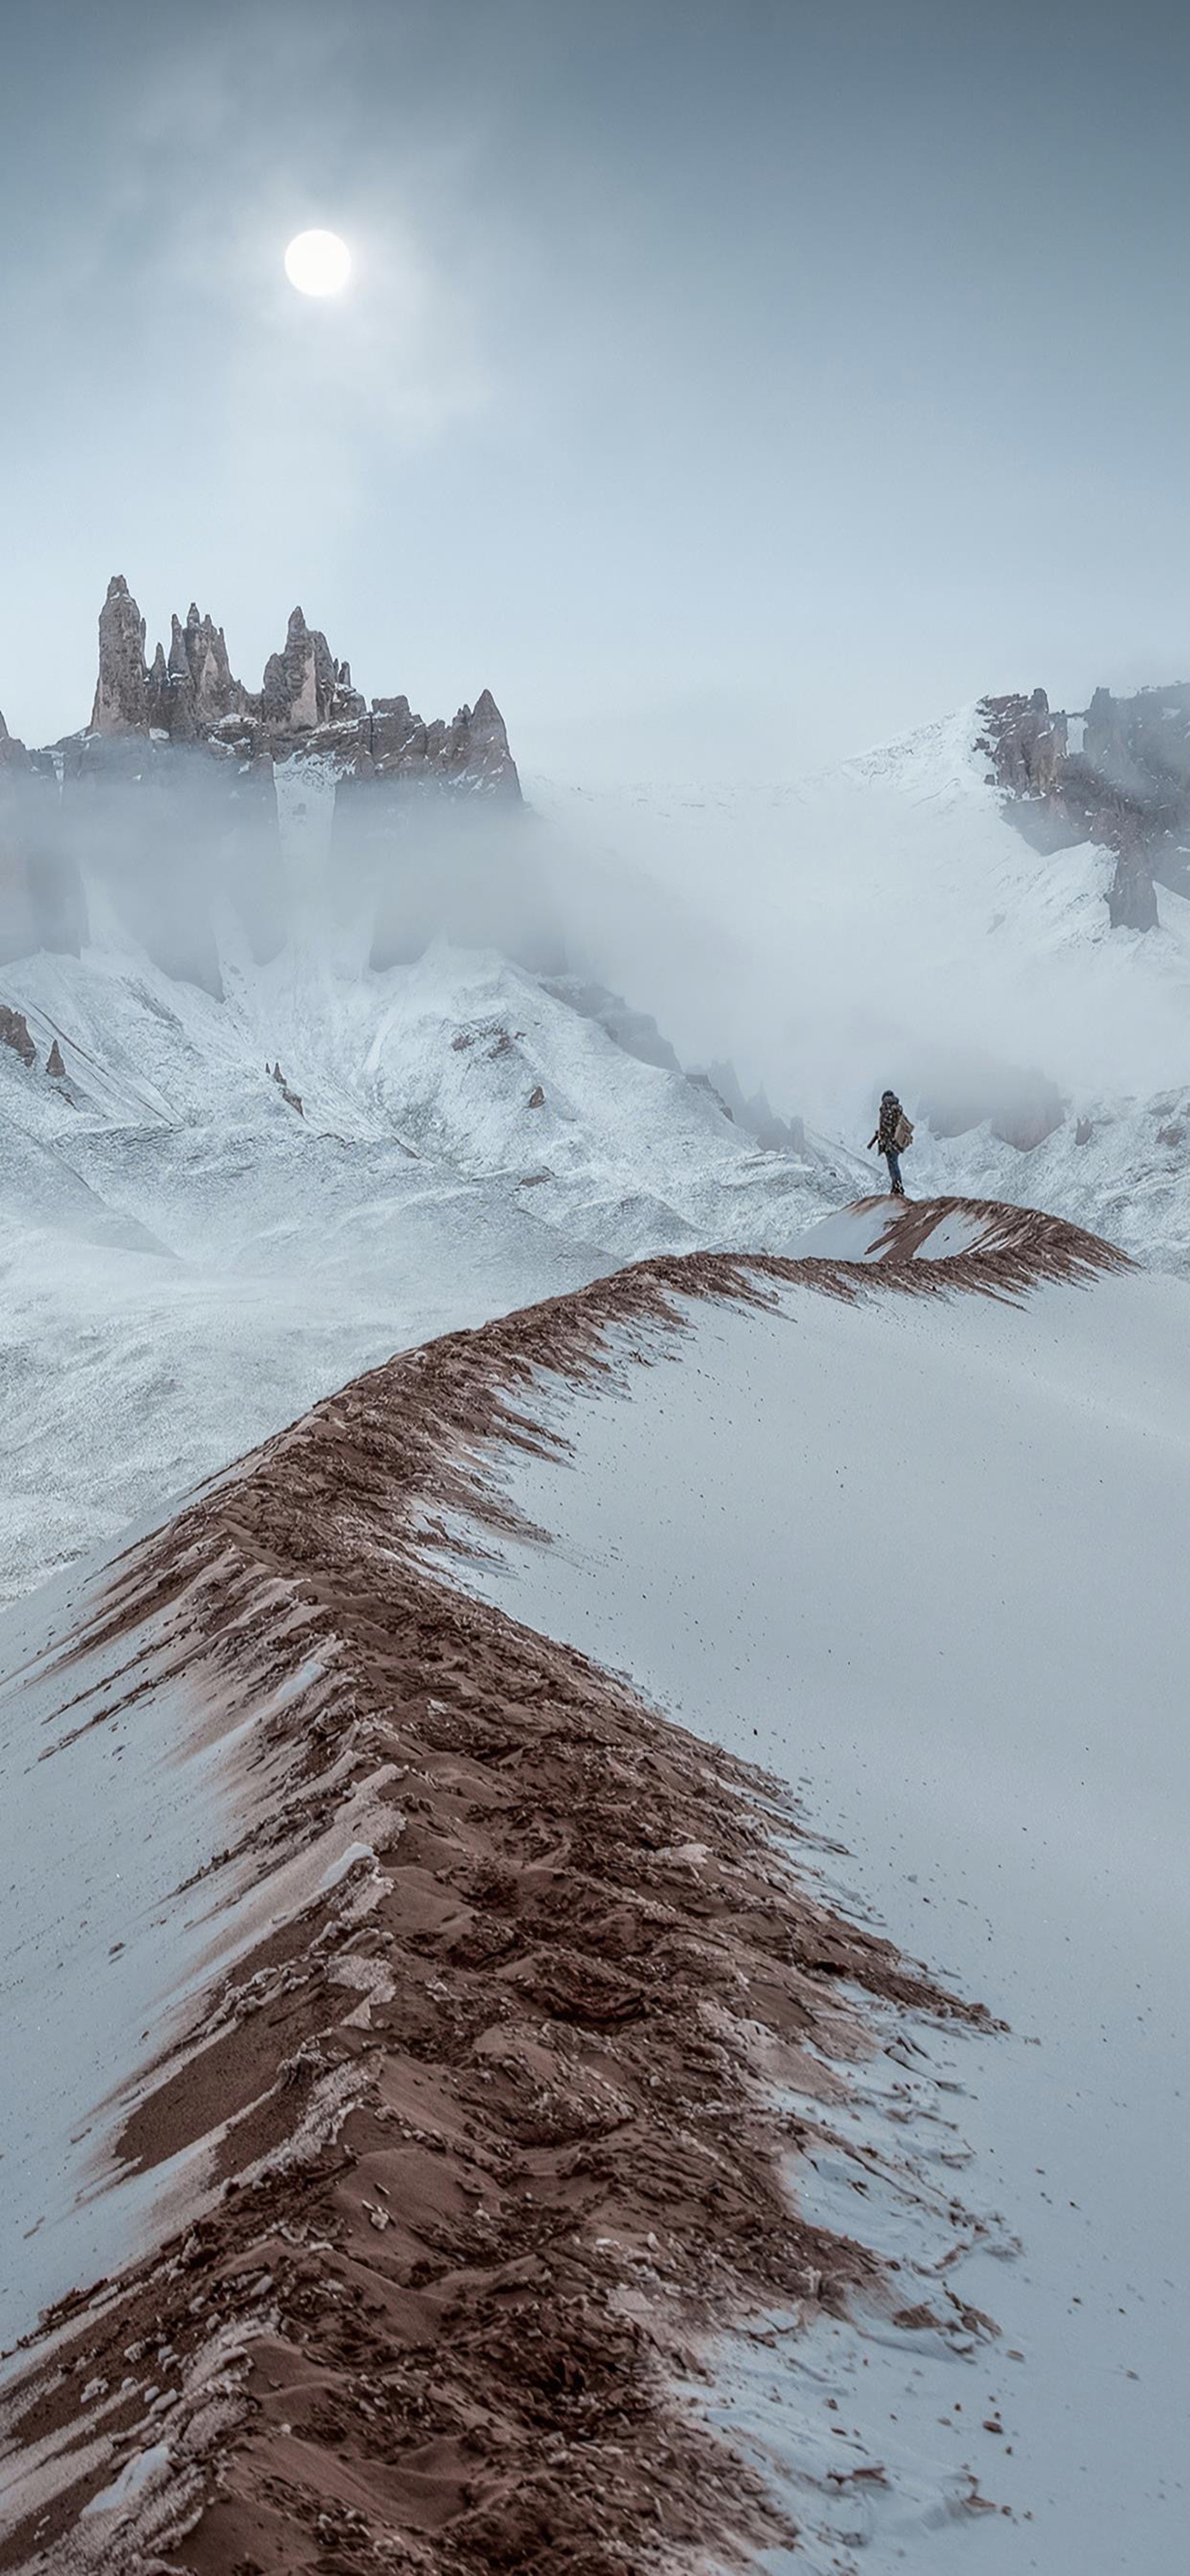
column 469, row 2116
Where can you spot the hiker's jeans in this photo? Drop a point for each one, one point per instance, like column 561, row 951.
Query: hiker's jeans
column 893, row 1160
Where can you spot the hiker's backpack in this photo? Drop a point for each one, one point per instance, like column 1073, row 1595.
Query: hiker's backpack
column 902, row 1133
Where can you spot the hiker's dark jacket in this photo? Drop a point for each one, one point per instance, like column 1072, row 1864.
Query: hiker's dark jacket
column 886, row 1132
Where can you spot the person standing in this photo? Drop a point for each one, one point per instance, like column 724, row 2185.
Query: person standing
column 893, row 1132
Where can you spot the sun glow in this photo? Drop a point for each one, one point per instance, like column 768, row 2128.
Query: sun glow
column 318, row 263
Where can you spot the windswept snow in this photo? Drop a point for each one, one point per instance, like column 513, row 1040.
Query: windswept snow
column 922, row 1555
column 887, row 1229
column 905, row 1530
column 100, row 1937
column 507, row 1955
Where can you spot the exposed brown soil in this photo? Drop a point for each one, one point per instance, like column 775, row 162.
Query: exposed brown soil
column 490, row 2142
column 1018, row 1247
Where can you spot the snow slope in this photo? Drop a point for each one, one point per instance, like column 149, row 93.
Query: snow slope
column 187, row 1262
column 102, row 1937
column 922, row 1555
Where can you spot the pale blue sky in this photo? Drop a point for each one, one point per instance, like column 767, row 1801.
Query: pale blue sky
column 724, row 385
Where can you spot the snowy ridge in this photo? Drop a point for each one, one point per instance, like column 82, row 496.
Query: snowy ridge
column 497, row 1860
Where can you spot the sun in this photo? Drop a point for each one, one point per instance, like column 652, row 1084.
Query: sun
column 318, row 263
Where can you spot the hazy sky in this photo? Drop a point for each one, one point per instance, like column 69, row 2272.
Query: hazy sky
column 724, row 385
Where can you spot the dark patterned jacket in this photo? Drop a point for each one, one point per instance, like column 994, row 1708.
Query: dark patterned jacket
column 886, row 1131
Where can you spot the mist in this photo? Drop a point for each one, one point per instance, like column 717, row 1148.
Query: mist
column 880, row 923
column 868, row 928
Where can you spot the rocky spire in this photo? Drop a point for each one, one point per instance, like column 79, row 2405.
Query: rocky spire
column 1026, row 741
column 304, row 686
column 185, row 693
column 190, row 694
column 292, row 1099
column 192, row 691
column 121, row 704
column 157, row 692
column 487, row 755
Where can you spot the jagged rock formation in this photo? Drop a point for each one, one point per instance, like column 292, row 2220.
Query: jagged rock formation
column 392, row 753
column 304, row 687
column 292, row 1099
column 471, row 752
column 1026, row 743
column 14, row 1033
column 41, row 896
column 1125, row 784
column 54, row 1064
column 121, row 691
column 306, row 700
column 192, row 692
column 185, row 694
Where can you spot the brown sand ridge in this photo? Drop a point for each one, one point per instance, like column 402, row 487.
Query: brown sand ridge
column 482, row 2137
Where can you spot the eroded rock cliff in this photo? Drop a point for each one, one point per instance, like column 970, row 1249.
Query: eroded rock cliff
column 1119, row 775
